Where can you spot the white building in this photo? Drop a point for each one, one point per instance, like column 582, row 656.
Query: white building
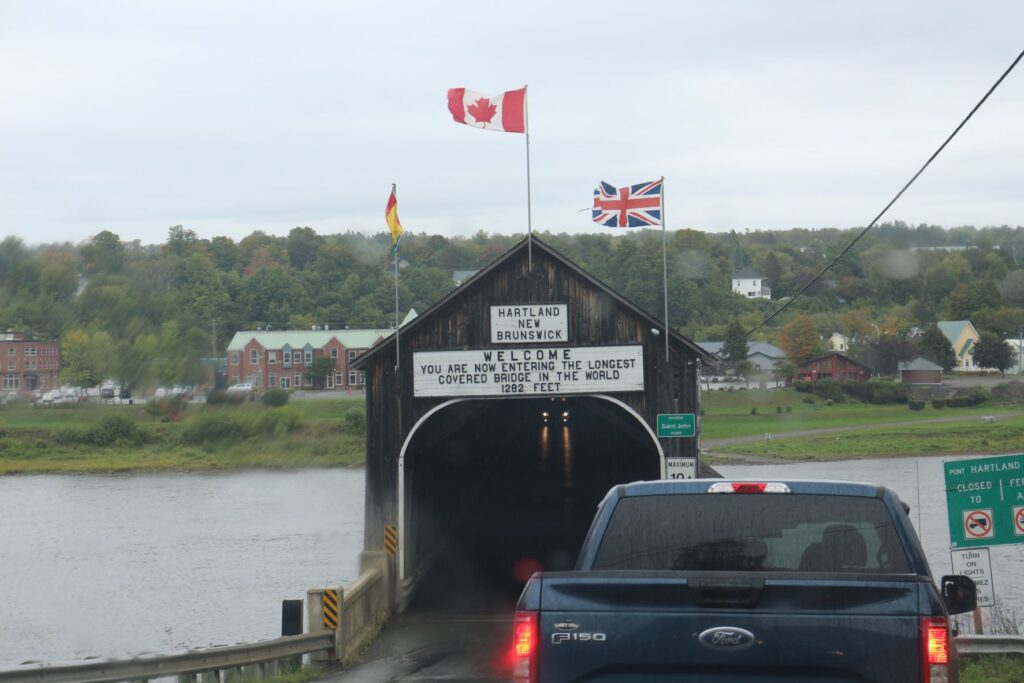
column 751, row 284
column 839, row 342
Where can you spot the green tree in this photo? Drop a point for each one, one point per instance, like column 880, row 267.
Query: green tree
column 302, row 245
column 736, row 349
column 104, row 253
column 934, row 346
column 991, row 351
column 85, row 357
column 320, row 370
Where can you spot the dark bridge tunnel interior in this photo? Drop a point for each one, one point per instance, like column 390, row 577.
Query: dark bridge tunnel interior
column 496, row 489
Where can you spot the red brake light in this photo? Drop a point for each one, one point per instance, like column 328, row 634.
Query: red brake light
column 935, row 649
column 749, row 486
column 524, row 647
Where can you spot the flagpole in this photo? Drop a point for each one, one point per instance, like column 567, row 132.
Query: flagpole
column 398, row 358
column 664, row 261
column 529, row 206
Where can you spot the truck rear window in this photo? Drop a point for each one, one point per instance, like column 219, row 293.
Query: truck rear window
column 769, row 532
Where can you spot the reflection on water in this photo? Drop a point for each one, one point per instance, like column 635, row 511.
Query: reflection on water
column 928, row 509
column 119, row 565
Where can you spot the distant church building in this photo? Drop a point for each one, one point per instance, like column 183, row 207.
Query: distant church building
column 751, row 284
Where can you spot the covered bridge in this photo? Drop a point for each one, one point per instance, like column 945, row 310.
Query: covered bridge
column 499, row 418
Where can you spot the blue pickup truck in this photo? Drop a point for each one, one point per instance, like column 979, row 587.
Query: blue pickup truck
column 710, row 580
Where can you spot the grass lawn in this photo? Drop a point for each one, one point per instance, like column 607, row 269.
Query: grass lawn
column 1004, row 436
column 728, row 413
column 30, row 439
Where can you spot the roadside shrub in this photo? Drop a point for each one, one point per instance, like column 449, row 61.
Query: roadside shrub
column 753, row 410
column 789, row 409
column 216, row 397
column 168, row 408
column 355, row 420
column 808, row 399
column 829, row 402
column 1012, row 391
column 239, row 426
column 275, row 398
column 915, row 405
column 778, row 410
column 829, row 389
column 938, row 403
column 804, row 386
column 976, row 396
column 110, row 431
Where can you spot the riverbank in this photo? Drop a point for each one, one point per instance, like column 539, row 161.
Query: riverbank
column 119, row 438
column 330, row 432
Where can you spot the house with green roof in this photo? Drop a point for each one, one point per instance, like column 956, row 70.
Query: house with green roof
column 283, row 358
column 962, row 337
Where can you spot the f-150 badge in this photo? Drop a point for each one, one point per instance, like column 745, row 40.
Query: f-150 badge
column 726, row 638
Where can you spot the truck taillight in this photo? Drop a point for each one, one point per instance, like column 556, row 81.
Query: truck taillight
column 524, row 647
column 935, row 650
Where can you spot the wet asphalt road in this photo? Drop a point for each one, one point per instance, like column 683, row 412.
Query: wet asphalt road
column 423, row 648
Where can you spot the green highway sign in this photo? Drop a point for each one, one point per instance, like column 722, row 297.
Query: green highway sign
column 985, row 500
column 676, row 424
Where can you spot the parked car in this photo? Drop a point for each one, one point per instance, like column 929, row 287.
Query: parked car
column 244, row 388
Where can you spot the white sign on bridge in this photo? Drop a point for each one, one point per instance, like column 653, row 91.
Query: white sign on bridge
column 975, row 563
column 528, row 372
column 529, row 324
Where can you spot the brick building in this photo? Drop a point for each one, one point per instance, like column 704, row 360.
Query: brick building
column 283, row 358
column 28, row 364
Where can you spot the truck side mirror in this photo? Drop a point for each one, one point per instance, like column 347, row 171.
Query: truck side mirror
column 959, row 593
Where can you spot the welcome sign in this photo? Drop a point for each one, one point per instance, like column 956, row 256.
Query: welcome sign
column 529, row 372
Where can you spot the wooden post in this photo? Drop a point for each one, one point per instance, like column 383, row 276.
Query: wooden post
column 978, row 626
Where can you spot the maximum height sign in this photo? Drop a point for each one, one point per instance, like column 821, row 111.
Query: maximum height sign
column 985, row 501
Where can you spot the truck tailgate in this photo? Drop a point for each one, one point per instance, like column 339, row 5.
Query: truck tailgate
column 656, row 626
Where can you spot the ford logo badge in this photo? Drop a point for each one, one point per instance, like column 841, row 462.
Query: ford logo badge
column 567, row 625
column 726, row 638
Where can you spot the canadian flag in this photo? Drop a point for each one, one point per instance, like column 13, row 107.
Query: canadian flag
column 505, row 112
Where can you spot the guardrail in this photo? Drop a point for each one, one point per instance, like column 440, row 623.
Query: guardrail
column 364, row 606
column 236, row 662
column 973, row 644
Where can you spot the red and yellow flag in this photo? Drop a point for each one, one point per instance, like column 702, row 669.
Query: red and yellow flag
column 391, row 215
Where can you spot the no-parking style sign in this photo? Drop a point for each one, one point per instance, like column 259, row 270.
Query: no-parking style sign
column 978, row 524
column 985, row 500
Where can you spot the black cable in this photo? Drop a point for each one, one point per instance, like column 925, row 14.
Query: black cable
column 721, row 353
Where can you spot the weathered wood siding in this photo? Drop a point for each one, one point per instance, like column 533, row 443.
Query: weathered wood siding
column 596, row 318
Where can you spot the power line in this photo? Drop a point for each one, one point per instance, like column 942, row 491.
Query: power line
column 881, row 213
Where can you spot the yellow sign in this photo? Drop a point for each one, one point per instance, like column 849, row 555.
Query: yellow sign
column 391, row 539
column 330, row 608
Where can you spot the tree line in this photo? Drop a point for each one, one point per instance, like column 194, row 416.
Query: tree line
column 150, row 313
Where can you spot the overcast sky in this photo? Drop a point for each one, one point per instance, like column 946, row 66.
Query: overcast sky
column 227, row 117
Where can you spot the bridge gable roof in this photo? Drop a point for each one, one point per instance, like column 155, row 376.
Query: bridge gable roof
column 470, row 287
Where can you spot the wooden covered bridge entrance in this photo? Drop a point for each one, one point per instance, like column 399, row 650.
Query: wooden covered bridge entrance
column 499, row 418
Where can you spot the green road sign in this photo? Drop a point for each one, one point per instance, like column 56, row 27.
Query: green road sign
column 676, row 424
column 985, row 500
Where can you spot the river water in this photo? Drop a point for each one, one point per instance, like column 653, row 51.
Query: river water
column 112, row 566
column 118, row 565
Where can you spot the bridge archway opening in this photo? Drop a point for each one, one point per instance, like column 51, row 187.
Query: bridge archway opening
column 496, row 489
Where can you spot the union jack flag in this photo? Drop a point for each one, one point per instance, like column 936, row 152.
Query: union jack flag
column 628, row 207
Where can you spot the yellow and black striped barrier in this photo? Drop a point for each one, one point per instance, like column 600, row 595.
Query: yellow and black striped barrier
column 330, row 609
column 391, row 539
